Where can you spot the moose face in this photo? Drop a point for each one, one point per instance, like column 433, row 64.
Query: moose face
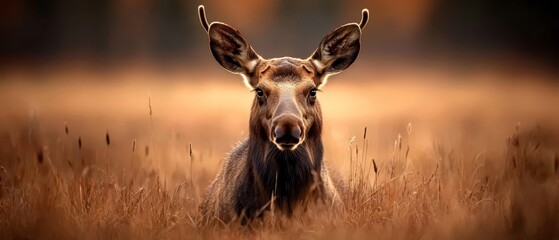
column 285, row 104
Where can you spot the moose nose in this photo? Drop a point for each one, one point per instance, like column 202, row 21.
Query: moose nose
column 287, row 131
column 287, row 137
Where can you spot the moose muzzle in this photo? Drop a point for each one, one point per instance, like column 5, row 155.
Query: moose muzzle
column 287, row 130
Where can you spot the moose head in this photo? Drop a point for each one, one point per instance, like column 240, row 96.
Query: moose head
column 285, row 110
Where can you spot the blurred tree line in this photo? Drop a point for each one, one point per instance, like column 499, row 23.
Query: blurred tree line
column 168, row 30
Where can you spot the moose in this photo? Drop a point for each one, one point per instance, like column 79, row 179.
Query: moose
column 279, row 168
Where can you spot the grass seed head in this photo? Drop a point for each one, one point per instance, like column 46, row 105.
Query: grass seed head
column 107, row 139
column 40, row 156
column 556, row 163
column 149, row 105
column 399, row 141
column 190, row 150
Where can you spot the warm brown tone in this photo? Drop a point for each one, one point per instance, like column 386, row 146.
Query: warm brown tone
column 450, row 177
column 280, row 166
column 453, row 149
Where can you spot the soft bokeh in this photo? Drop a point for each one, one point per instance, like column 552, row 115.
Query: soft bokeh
column 453, row 79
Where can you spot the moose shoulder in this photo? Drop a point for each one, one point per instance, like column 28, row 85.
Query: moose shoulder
column 281, row 162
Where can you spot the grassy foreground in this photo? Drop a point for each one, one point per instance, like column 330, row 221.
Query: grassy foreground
column 67, row 172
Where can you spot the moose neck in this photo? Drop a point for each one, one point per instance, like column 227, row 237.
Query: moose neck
column 288, row 175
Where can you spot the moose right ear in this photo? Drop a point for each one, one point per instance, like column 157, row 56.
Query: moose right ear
column 338, row 49
column 231, row 49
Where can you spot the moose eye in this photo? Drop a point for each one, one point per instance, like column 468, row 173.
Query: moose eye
column 259, row 92
column 312, row 93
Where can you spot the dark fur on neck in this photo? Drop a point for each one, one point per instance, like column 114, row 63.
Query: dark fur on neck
column 288, row 175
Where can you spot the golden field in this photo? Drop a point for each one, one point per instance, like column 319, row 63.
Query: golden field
column 129, row 152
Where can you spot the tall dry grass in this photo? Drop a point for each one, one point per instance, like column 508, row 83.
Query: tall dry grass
column 60, row 193
column 463, row 177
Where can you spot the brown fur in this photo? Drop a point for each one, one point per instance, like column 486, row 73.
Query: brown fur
column 280, row 165
column 245, row 185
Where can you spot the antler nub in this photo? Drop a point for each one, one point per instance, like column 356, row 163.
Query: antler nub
column 203, row 19
column 364, row 18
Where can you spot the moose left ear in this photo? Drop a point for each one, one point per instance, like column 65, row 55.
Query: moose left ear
column 338, row 50
column 231, row 49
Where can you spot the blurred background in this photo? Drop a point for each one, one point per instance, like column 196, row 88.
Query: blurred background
column 465, row 73
column 167, row 32
column 123, row 98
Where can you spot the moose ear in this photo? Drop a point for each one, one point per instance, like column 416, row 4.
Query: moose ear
column 231, row 49
column 337, row 51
